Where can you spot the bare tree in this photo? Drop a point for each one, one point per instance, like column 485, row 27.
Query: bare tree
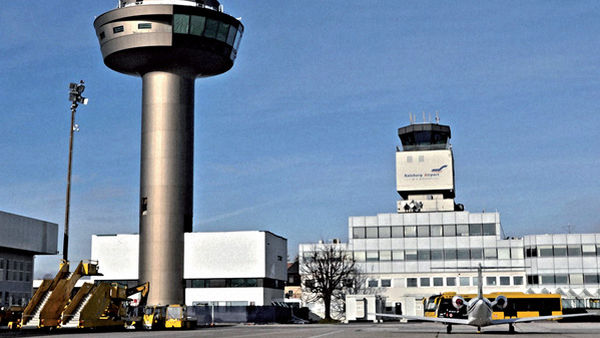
column 328, row 273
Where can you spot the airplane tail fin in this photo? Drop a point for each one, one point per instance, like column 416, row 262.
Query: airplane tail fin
column 479, row 281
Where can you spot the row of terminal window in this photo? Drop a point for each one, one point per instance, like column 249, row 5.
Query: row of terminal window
column 15, row 270
column 236, row 283
column 563, row 279
column 571, row 250
column 437, row 254
column 222, row 303
column 447, row 230
column 455, row 281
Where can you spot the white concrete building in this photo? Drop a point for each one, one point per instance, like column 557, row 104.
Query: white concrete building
column 220, row 268
column 424, row 248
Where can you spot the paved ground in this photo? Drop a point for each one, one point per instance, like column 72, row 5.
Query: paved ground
column 544, row 329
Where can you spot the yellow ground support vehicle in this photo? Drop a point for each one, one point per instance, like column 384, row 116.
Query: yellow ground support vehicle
column 170, row 317
column 154, row 317
column 177, row 318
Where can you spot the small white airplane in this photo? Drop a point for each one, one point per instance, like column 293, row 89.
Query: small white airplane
column 479, row 311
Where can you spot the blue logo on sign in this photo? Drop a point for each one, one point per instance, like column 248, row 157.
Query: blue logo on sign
column 439, row 169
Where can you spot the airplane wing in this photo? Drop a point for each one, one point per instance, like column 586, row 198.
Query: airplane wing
column 532, row 319
column 428, row 319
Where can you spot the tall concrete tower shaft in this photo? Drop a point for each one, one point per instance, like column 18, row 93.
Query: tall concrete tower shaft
column 169, row 43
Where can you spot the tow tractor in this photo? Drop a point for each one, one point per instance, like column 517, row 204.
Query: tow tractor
column 154, row 317
column 177, row 317
column 169, row 317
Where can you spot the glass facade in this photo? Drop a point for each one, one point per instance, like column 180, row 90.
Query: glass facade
column 564, row 279
column 385, row 255
column 235, row 283
column 398, row 255
column 372, row 232
column 446, row 230
column 561, row 250
column 477, row 253
column 372, row 256
column 209, row 28
column 384, row 232
column 438, row 254
column 197, row 24
column 466, row 281
column 411, row 255
column 397, row 232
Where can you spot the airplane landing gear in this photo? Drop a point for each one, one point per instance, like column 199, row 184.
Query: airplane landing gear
column 511, row 329
column 449, row 328
column 479, row 329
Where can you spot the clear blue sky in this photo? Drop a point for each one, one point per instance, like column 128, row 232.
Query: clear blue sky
column 301, row 133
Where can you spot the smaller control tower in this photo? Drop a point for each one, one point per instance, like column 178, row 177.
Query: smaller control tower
column 425, row 169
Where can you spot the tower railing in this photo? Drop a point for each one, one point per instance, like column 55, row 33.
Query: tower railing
column 204, row 4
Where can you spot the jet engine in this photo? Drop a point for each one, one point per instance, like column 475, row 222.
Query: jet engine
column 458, row 302
column 500, row 302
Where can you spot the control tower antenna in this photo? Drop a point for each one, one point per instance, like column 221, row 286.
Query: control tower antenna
column 168, row 43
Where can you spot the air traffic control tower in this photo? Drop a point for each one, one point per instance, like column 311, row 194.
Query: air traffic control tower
column 168, row 43
column 425, row 169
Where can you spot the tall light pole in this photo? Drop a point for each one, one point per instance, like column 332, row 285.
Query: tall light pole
column 75, row 91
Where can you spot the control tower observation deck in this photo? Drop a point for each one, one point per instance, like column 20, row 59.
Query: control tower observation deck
column 425, row 169
column 169, row 43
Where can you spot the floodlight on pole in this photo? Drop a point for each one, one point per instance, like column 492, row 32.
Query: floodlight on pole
column 75, row 91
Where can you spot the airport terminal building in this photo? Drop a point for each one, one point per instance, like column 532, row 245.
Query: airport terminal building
column 22, row 238
column 423, row 248
column 236, row 268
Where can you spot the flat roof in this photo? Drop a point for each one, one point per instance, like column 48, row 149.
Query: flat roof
column 28, row 234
